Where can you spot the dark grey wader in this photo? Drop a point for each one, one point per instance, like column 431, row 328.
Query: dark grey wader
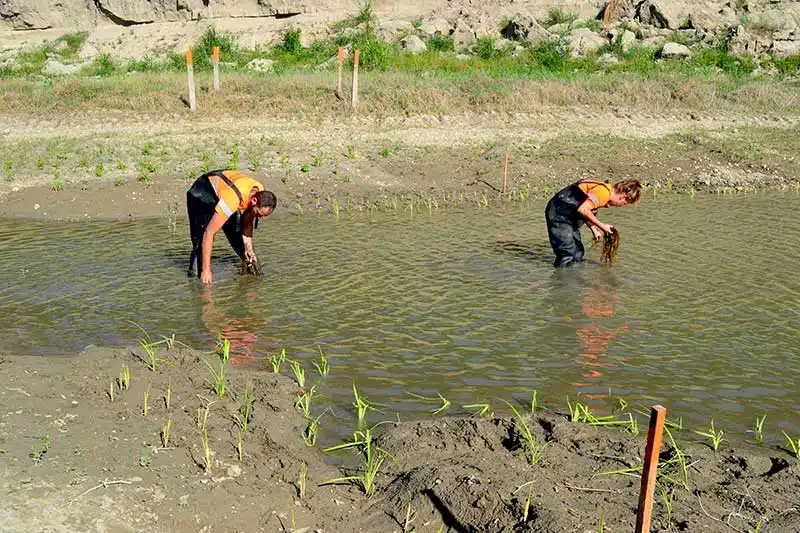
column 201, row 202
column 564, row 223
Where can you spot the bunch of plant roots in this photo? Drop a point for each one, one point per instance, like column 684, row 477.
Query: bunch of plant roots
column 250, row 268
column 610, row 247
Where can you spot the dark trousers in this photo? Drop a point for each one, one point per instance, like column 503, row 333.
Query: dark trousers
column 563, row 225
column 201, row 200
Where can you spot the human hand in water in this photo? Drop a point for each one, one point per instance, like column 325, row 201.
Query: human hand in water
column 607, row 228
column 250, row 255
column 205, row 277
column 597, row 232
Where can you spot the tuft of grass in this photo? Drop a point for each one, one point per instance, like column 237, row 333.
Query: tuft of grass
column 124, row 380
column 445, row 401
column 311, row 431
column 716, row 437
column 245, row 410
column 301, row 481
column 39, row 450
column 441, row 43
column 219, row 382
column 145, row 400
column 206, row 451
column 99, row 170
column 557, row 16
column 291, row 41
column 165, row 433
column 481, row 409
column 362, row 405
column 303, row 402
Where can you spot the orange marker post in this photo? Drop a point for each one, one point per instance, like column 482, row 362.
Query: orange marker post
column 657, row 416
column 190, row 74
column 505, row 175
column 341, row 66
column 215, row 58
column 355, row 79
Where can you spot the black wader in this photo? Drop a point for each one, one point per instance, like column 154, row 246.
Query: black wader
column 563, row 225
column 201, row 201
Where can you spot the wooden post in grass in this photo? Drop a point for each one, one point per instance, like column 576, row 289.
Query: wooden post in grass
column 354, row 100
column 341, row 66
column 610, row 11
column 190, row 73
column 505, row 175
column 215, row 58
column 649, row 469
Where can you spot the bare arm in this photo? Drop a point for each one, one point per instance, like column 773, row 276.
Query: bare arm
column 216, row 223
column 585, row 210
column 247, row 235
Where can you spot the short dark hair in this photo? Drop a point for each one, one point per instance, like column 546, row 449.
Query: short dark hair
column 266, row 199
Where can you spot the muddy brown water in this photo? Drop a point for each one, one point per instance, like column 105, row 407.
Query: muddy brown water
column 701, row 312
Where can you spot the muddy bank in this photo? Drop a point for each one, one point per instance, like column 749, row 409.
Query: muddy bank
column 359, row 168
column 100, row 465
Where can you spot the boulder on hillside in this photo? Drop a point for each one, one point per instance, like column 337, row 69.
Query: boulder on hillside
column 430, row 27
column 785, row 48
column 674, row 51
column 413, row 45
column 627, row 40
column 741, row 42
column 53, row 67
column 463, row 36
column 523, row 27
column 584, row 41
column 391, row 30
column 606, row 60
column 661, row 14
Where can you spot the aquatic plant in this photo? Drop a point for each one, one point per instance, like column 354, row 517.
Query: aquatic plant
column 794, row 445
column 276, row 360
column 530, row 447
column 303, row 402
column 483, row 409
column 165, row 433
column 373, row 456
column 299, row 373
column 322, row 366
column 245, row 410
column 445, row 401
column 219, row 382
column 610, row 247
column 361, row 404
column 758, row 429
column 716, row 437
column 311, row 430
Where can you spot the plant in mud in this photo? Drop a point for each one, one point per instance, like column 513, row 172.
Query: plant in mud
column 277, row 360
column 144, row 461
column 311, row 431
column 793, row 445
column 219, row 381
column 301, row 481
column 480, row 409
column 303, row 402
column 165, row 433
column 530, row 447
column 145, row 399
column 124, row 380
column 362, row 405
column 672, row 468
column 240, row 445
column 445, row 401
column 206, row 452
column 716, row 437
column 245, row 410
column 758, row 429
column 39, row 450
column 299, row 373
column 373, row 457
column 322, row 366
column 223, row 349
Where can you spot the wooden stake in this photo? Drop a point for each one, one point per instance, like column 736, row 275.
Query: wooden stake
column 341, row 65
column 355, row 79
column 505, row 175
column 190, row 74
column 610, row 11
column 216, row 68
column 657, row 416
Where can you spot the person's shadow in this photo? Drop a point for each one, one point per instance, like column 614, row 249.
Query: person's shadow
column 538, row 252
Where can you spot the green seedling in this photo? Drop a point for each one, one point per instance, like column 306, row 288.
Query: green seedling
column 276, row 361
column 361, row 404
column 145, row 397
column 144, row 461
column 793, row 445
column 335, row 206
column 223, row 349
column 305, row 167
column 386, row 150
column 144, row 178
column 351, row 152
column 120, row 181
column 601, row 524
column 301, row 480
column 148, row 149
column 240, row 445
column 373, row 457
column 99, row 170
column 311, row 431
column 299, row 373
column 527, row 507
column 673, row 471
column 445, row 401
column 303, row 402
column 58, row 185
column 165, row 433
column 122, row 166
column 667, row 496
column 206, row 452
column 202, row 415
column 39, row 163
column 219, row 383
column 83, row 162
column 715, row 436
column 530, row 447
column 38, row 452
column 672, row 424
column 758, row 429
column 124, row 377
column 318, row 160
column 483, row 409
column 245, row 410
column 534, row 393
column 577, row 411
column 322, row 366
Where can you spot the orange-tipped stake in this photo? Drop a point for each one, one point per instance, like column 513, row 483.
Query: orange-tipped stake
column 657, row 416
column 215, row 58
column 341, row 66
column 355, row 79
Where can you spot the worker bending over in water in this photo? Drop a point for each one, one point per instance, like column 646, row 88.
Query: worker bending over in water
column 227, row 200
column 578, row 203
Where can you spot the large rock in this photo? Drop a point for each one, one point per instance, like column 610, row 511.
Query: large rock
column 463, row 36
column 413, row 45
column 627, row 40
column 674, row 51
column 662, row 13
column 741, row 42
column 261, row 65
column 785, row 48
column 389, row 31
column 584, row 41
column 523, row 27
column 128, row 11
column 53, row 67
column 430, row 27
